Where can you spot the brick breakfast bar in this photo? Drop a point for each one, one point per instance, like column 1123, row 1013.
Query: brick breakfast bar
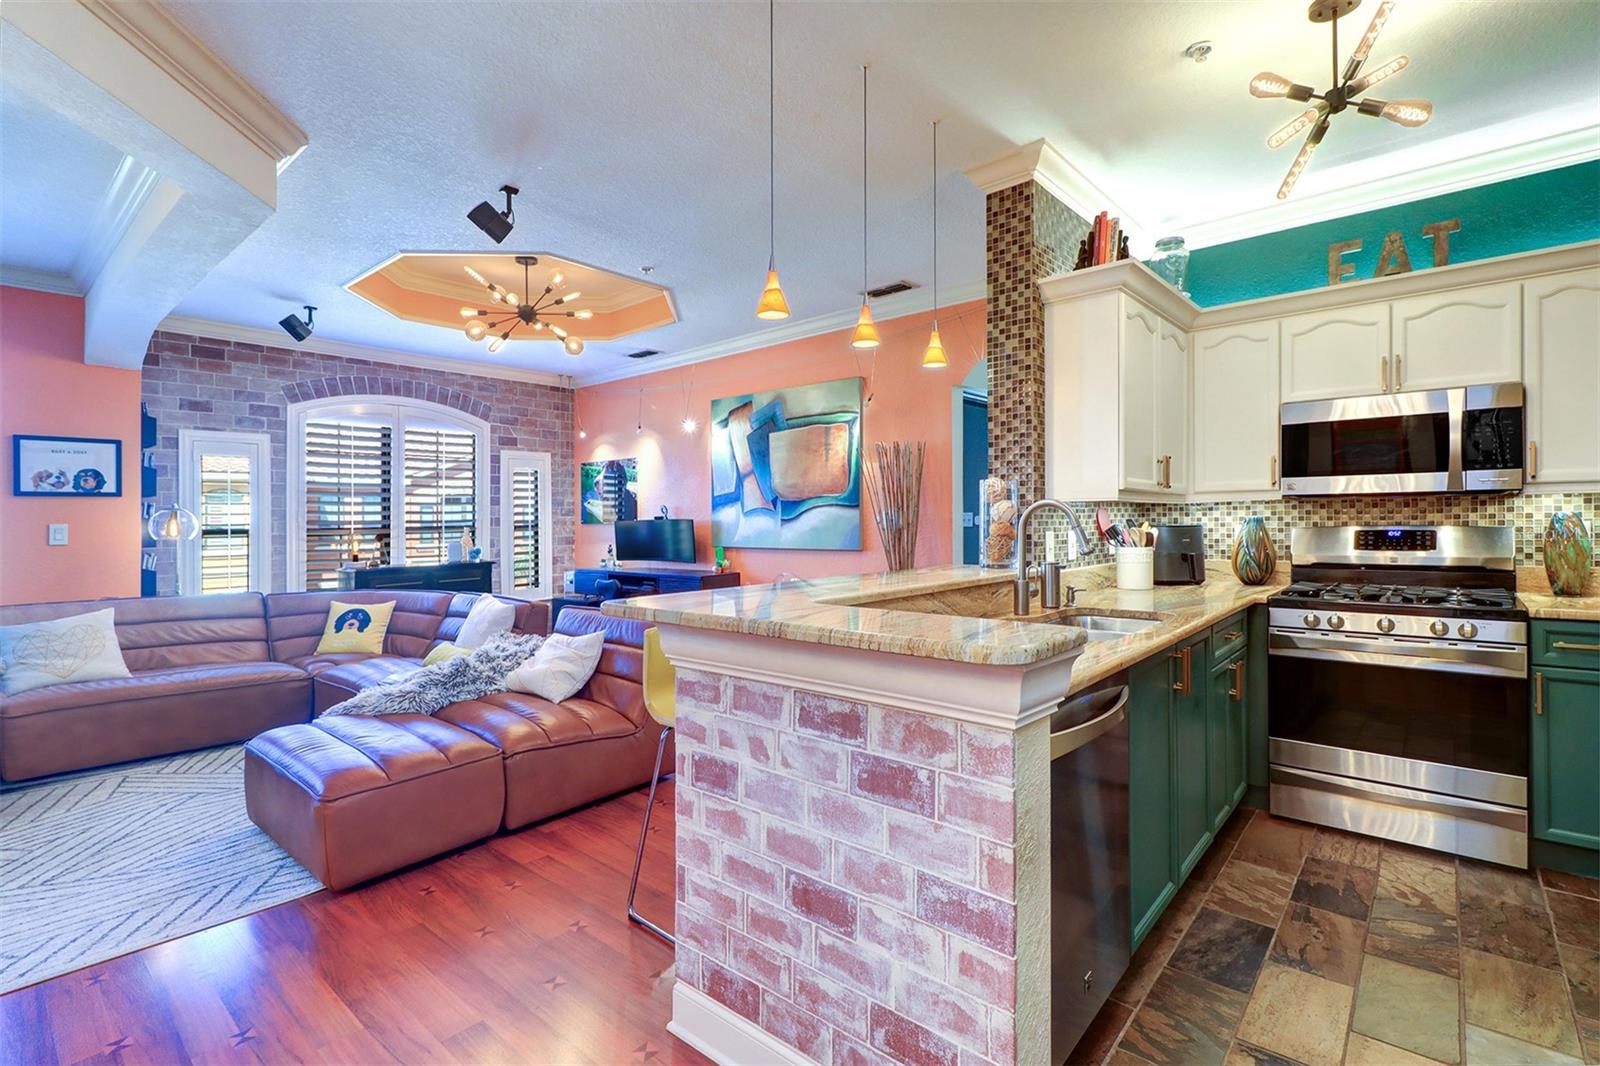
column 863, row 820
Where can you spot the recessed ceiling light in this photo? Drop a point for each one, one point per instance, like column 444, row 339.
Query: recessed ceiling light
column 1200, row 51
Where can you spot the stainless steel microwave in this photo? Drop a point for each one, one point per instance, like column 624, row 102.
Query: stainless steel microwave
column 1466, row 439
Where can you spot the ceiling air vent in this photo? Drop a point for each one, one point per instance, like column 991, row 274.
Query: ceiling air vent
column 644, row 353
column 891, row 289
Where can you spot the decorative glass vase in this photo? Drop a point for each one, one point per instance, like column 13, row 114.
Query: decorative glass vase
column 998, row 511
column 1254, row 557
column 1171, row 262
column 1568, row 553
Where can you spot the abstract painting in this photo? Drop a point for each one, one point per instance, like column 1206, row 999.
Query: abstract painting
column 610, row 491
column 786, row 468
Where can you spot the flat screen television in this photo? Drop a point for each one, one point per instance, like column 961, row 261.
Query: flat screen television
column 656, row 540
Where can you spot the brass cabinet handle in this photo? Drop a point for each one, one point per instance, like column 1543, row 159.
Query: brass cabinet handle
column 1533, row 459
column 1567, row 645
column 1538, row 692
column 1237, row 691
column 1383, row 363
column 1182, row 687
column 1398, row 376
column 1274, row 470
column 1232, row 634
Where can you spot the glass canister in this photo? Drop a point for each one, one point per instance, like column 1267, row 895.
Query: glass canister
column 1171, row 262
column 997, row 522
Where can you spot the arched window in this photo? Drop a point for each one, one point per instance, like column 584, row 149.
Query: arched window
column 385, row 478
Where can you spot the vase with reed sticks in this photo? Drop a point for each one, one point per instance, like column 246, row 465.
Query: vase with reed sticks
column 894, row 481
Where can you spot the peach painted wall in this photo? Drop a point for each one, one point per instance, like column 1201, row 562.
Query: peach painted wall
column 46, row 388
column 908, row 403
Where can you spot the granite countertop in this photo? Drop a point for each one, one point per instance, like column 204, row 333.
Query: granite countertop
column 1533, row 589
column 868, row 611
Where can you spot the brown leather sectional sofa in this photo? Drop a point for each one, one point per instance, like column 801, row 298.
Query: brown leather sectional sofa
column 350, row 797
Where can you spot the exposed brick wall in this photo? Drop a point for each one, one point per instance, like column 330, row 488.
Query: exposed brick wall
column 204, row 383
column 847, row 873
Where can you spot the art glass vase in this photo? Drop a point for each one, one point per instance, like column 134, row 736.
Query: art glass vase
column 1568, row 553
column 1254, row 557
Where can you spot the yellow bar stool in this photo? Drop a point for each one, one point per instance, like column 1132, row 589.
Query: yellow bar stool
column 661, row 700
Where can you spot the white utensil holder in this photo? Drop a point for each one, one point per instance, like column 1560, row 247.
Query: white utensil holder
column 1136, row 568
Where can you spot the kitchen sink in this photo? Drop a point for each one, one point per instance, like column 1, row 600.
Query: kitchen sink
column 1106, row 626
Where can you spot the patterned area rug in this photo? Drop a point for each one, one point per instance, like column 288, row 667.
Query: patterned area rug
column 97, row 864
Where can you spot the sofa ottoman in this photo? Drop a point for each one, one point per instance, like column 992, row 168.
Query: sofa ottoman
column 354, row 797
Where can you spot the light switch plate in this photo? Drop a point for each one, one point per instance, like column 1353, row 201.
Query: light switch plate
column 1051, row 541
column 57, row 534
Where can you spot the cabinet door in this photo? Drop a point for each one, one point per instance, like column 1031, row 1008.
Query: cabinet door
column 1225, row 738
column 1335, row 353
column 1462, row 337
column 1190, row 730
column 1561, row 370
column 1141, row 331
column 1152, row 873
column 1566, row 735
column 1172, row 407
column 1236, row 408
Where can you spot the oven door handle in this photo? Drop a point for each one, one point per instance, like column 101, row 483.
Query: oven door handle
column 1494, row 660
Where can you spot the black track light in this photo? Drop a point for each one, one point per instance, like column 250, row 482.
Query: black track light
column 294, row 327
column 497, row 224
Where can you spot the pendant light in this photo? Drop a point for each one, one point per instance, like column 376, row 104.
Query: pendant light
column 866, row 334
column 772, row 305
column 934, row 358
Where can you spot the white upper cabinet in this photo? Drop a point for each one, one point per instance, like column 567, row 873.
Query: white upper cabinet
column 1561, row 372
column 1141, row 465
column 1459, row 337
column 1342, row 352
column 1172, row 408
column 1236, row 408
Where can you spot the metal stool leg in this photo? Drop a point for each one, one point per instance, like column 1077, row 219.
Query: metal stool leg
column 644, row 832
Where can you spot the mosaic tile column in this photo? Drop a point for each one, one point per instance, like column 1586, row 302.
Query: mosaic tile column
column 1030, row 235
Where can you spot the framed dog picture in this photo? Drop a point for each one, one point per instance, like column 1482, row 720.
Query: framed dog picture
column 65, row 466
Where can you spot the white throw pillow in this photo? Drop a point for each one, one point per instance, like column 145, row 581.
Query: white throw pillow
column 80, row 647
column 489, row 617
column 560, row 667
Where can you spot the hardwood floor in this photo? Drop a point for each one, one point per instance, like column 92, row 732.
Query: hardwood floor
column 514, row 950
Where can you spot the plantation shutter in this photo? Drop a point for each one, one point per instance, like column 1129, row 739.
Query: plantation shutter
column 525, row 529
column 348, row 497
column 224, row 513
column 441, row 500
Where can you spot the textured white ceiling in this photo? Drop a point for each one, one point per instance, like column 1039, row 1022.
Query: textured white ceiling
column 638, row 133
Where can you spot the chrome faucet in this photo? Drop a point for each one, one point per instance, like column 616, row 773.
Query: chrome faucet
column 1050, row 573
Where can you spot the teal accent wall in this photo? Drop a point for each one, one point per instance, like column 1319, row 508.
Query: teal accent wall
column 1521, row 215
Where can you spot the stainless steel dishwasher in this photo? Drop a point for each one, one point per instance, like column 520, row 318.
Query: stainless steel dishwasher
column 1090, row 924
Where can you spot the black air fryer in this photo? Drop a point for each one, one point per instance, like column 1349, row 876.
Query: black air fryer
column 1180, row 555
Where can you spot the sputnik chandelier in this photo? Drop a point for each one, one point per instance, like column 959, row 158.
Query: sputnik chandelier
column 1353, row 83
column 538, row 312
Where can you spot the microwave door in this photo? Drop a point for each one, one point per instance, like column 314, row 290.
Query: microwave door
column 1399, row 443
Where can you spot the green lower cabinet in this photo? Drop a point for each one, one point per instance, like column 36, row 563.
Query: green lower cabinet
column 1226, row 717
column 1152, row 873
column 1565, row 770
column 1191, row 728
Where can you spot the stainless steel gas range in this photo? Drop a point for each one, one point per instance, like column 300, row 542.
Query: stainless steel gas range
column 1398, row 676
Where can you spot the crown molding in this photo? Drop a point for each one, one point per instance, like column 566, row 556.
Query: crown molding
column 164, row 41
column 887, row 309
column 1040, row 161
column 1513, row 161
column 39, row 281
column 408, row 276
column 271, row 338
column 124, row 198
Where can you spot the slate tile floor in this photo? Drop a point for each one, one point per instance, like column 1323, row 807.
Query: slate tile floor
column 1293, row 944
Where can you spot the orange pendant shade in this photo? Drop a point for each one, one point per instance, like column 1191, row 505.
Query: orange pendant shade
column 866, row 334
column 934, row 357
column 772, row 304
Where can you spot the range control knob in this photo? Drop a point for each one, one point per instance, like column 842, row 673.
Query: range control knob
column 1386, row 625
column 1467, row 630
column 1336, row 621
column 1438, row 628
column 1311, row 621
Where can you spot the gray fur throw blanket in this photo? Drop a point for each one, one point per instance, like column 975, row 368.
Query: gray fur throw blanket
column 427, row 689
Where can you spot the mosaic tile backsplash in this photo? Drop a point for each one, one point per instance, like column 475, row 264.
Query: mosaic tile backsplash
column 1528, row 513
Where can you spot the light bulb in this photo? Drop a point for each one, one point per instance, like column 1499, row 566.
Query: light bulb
column 556, row 279
column 689, row 424
column 475, row 276
column 1407, row 112
column 539, row 325
column 497, row 294
column 559, row 332
column 1284, row 133
column 171, row 529
column 469, row 312
column 1270, row 86
column 567, row 298
column 476, row 329
column 865, row 334
column 583, row 434
column 934, row 358
column 584, row 314
column 1379, row 17
column 513, row 299
column 772, row 305
column 1377, row 74
column 1295, row 168
column 573, row 345
column 497, row 342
